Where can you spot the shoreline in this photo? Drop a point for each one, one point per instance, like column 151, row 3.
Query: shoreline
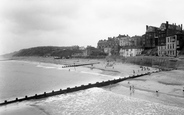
column 144, row 87
column 147, row 84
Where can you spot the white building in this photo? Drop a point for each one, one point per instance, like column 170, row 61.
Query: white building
column 127, row 52
column 170, row 49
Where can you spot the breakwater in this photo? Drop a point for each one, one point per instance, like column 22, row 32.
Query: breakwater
column 76, row 65
column 73, row 89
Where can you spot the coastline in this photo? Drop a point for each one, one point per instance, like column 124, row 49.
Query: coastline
column 169, row 85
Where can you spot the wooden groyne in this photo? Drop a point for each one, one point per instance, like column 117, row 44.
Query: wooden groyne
column 76, row 65
column 73, row 89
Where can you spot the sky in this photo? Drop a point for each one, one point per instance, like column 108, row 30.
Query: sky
column 31, row 23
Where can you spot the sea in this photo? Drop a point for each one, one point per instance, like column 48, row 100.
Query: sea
column 21, row 78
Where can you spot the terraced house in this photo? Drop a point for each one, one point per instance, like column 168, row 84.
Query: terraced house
column 130, row 46
column 109, row 46
column 170, row 39
column 167, row 39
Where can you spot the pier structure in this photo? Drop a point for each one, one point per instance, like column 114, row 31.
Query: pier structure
column 76, row 65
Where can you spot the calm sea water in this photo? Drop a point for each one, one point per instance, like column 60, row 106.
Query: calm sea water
column 18, row 78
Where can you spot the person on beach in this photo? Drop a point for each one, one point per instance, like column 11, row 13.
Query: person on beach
column 130, row 88
column 133, row 88
column 133, row 72
column 157, row 93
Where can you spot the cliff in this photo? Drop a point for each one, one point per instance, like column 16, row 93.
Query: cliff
column 48, row 51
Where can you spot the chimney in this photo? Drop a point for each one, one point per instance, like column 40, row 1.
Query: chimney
column 181, row 27
column 146, row 27
column 167, row 24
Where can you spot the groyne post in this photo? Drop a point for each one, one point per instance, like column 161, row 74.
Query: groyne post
column 45, row 94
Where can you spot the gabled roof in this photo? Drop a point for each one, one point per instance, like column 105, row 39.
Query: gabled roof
column 151, row 29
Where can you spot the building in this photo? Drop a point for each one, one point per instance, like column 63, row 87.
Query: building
column 166, row 30
column 170, row 39
column 93, row 52
column 130, row 46
column 160, row 38
column 102, row 44
column 127, row 52
column 113, row 43
column 143, row 41
column 137, row 41
column 88, row 51
column 173, row 46
column 124, row 41
column 110, row 46
column 151, row 37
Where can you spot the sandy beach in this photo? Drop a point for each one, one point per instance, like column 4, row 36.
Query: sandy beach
column 169, row 84
column 165, row 87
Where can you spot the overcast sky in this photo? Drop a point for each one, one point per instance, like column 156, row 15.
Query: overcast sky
column 30, row 23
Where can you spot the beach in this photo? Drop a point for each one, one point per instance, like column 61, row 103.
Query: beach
column 165, row 87
column 169, row 83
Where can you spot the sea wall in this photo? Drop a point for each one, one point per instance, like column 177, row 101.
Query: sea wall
column 152, row 61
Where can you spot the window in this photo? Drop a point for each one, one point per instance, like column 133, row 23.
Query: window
column 177, row 42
